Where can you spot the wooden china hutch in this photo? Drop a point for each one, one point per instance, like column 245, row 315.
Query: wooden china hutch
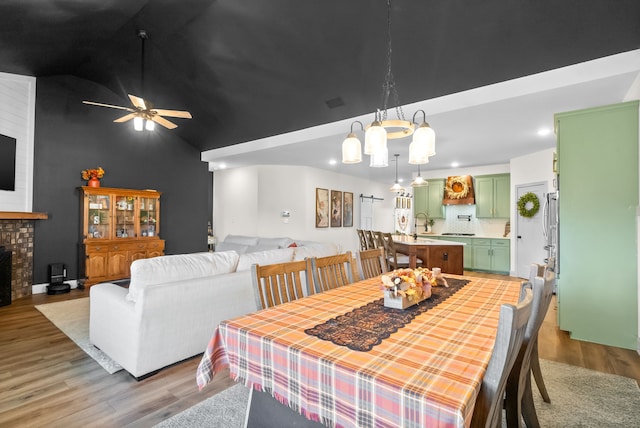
column 118, row 227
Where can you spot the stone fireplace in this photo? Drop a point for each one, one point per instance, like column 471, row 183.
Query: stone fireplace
column 17, row 236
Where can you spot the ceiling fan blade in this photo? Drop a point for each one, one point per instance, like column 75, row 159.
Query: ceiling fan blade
column 172, row 113
column 107, row 105
column 164, row 122
column 126, row 118
column 138, row 102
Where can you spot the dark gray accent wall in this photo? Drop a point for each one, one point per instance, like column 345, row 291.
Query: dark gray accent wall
column 71, row 136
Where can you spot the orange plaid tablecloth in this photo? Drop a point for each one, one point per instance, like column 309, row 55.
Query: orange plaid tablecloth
column 426, row 374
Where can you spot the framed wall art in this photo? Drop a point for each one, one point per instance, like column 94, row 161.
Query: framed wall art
column 347, row 209
column 322, row 207
column 336, row 208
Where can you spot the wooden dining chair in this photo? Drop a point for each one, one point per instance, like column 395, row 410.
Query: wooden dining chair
column 487, row 412
column 279, row 283
column 395, row 260
column 362, row 239
column 538, row 270
column 519, row 398
column 371, row 242
column 371, row 263
column 331, row 271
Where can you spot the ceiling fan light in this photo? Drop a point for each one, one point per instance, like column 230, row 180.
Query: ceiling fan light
column 351, row 149
column 149, row 125
column 138, row 123
column 374, row 137
column 380, row 158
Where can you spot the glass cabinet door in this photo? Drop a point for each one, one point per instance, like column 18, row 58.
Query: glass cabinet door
column 148, row 216
column 98, row 220
column 124, row 213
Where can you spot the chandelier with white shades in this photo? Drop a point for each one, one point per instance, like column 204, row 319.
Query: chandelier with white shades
column 381, row 129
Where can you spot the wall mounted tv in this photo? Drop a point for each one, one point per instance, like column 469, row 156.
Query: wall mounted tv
column 7, row 163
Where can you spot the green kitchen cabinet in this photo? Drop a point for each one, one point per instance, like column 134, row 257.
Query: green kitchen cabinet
column 428, row 199
column 598, row 178
column 492, row 255
column 493, row 196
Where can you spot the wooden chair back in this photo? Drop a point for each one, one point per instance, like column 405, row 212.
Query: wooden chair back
column 371, row 263
column 279, row 283
column 519, row 399
column 371, row 242
column 331, row 271
column 362, row 239
column 395, row 260
column 511, row 330
column 378, row 238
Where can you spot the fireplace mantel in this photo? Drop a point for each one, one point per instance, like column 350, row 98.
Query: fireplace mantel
column 16, row 215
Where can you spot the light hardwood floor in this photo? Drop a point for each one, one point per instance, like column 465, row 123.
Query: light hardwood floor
column 46, row 380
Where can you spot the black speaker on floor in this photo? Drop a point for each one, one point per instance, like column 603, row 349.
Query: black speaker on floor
column 57, row 275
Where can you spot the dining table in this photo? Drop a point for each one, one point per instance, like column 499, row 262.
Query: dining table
column 417, row 367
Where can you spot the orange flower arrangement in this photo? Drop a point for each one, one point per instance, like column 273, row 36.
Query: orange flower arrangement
column 414, row 284
column 92, row 173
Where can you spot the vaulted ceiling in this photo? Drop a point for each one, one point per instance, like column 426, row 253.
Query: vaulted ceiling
column 249, row 69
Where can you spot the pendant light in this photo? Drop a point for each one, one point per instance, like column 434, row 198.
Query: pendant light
column 397, row 188
column 419, row 181
column 351, row 147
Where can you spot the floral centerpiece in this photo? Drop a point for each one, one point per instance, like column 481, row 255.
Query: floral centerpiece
column 88, row 174
column 406, row 287
column 93, row 176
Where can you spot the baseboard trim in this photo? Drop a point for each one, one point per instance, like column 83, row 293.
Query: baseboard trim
column 42, row 288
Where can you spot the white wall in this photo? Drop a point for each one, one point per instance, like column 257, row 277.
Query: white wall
column 250, row 201
column 17, row 120
column 533, row 168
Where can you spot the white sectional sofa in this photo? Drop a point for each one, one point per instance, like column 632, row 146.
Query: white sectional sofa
column 175, row 302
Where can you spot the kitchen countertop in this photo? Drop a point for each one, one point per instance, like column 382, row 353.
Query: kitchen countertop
column 408, row 240
column 428, row 235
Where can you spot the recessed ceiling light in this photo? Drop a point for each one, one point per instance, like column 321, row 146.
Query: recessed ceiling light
column 333, row 162
column 222, row 165
column 543, row 132
column 454, row 164
column 400, row 180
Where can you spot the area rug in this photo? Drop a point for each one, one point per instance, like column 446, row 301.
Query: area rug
column 72, row 318
column 579, row 398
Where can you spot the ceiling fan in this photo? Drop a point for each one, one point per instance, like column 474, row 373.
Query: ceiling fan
column 143, row 113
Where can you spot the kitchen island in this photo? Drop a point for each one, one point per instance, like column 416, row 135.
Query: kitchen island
column 447, row 255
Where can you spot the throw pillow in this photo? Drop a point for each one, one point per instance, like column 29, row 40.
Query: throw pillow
column 232, row 246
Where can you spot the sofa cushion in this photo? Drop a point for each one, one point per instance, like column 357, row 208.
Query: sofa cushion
column 314, row 250
column 232, row 246
column 240, row 239
column 282, row 255
column 275, row 242
column 164, row 269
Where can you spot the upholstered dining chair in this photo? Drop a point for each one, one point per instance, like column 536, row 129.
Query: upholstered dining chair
column 519, row 399
column 487, row 412
column 362, row 239
column 331, row 271
column 371, row 263
column 395, row 260
column 279, row 283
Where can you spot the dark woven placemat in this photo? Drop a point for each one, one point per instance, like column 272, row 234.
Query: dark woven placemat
column 365, row 327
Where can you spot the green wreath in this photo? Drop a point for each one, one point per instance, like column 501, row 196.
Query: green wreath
column 524, row 201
